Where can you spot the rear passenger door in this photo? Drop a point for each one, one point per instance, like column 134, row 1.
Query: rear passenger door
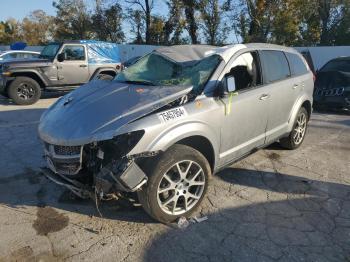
column 282, row 92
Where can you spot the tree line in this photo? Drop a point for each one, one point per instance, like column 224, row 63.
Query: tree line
column 215, row 22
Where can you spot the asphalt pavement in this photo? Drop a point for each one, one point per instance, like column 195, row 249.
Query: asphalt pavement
column 275, row 205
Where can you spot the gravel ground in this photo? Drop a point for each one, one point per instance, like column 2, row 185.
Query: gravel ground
column 273, row 205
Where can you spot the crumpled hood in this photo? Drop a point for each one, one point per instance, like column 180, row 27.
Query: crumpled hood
column 95, row 111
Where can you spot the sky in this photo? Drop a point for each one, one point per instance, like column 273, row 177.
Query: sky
column 20, row 8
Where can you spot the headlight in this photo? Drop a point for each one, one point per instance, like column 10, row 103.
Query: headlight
column 7, row 73
column 120, row 145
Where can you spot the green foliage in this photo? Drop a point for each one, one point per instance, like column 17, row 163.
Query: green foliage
column 136, row 19
column 37, row 28
column 293, row 22
column 286, row 22
column 10, row 31
column 72, row 20
column 107, row 23
column 214, row 28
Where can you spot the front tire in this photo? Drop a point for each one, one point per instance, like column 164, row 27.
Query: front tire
column 24, row 91
column 177, row 183
column 297, row 135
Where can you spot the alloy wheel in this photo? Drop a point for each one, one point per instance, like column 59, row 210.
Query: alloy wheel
column 299, row 129
column 25, row 91
column 181, row 187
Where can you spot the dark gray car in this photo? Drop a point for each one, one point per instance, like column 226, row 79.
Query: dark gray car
column 174, row 118
column 332, row 86
column 60, row 67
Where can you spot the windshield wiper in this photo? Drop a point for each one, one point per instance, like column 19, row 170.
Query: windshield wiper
column 140, row 82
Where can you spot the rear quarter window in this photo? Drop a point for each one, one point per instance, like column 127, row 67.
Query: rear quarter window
column 297, row 65
column 275, row 65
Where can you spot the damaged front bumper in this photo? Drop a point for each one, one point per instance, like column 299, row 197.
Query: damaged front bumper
column 106, row 182
column 104, row 168
column 76, row 187
column 114, row 177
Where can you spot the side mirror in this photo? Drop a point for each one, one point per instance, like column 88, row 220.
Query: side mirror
column 230, row 84
column 61, row 57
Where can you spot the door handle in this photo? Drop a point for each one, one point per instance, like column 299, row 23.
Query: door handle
column 264, row 97
column 298, row 85
column 83, row 66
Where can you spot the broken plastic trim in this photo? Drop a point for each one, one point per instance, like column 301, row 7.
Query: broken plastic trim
column 125, row 176
column 76, row 187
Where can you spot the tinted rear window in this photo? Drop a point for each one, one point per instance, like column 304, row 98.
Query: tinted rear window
column 275, row 65
column 297, row 65
column 337, row 65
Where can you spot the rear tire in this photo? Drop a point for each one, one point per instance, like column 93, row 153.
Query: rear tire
column 24, row 91
column 105, row 77
column 297, row 135
column 169, row 193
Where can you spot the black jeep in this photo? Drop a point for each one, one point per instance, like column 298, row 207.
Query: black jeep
column 60, row 67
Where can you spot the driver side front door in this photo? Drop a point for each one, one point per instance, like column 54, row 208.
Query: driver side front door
column 74, row 69
column 243, row 128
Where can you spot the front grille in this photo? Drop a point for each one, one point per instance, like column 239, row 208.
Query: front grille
column 71, row 167
column 64, row 160
column 67, row 150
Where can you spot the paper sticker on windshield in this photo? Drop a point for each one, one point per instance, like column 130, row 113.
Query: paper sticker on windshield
column 172, row 114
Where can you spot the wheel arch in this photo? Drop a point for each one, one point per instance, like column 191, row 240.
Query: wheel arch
column 201, row 144
column 302, row 102
column 105, row 70
column 32, row 75
column 307, row 105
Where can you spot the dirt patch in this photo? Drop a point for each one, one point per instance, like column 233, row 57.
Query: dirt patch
column 49, row 220
column 274, row 156
column 22, row 254
column 26, row 254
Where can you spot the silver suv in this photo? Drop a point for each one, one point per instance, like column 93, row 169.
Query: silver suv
column 163, row 126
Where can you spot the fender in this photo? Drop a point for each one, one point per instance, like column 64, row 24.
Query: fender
column 180, row 131
column 28, row 72
column 101, row 69
column 295, row 111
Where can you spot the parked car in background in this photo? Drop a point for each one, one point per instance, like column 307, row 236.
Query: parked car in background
column 60, row 67
column 165, row 124
column 15, row 54
column 332, row 86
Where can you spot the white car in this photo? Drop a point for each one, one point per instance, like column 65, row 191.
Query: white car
column 16, row 54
